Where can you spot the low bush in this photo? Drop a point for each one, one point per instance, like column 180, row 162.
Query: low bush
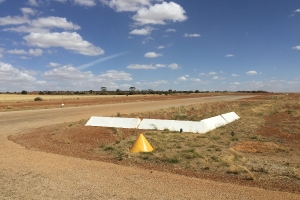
column 38, row 99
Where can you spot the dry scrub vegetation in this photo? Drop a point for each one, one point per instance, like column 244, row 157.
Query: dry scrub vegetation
column 263, row 152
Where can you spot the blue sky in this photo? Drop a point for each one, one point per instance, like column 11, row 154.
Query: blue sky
column 150, row 44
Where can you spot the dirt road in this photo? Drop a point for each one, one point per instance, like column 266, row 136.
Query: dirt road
column 28, row 174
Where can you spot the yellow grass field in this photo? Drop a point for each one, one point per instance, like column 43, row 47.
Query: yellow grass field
column 30, row 97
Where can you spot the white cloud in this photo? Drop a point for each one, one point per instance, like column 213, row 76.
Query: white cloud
column 126, row 5
column 159, row 82
column 28, row 11
column 161, row 47
column 68, row 73
column 183, row 78
column 17, row 51
column 212, row 73
column 215, row 78
column 31, row 72
column 160, row 65
column 70, row 77
column 160, row 13
column 138, row 66
column 152, row 85
column 229, row 55
column 296, row 47
column 114, row 75
column 174, row 66
column 152, row 55
column 35, row 52
column 33, row 3
column 253, row 85
column 202, row 74
column 10, row 75
column 144, row 31
column 31, row 52
column 62, row 1
column 85, row 2
column 298, row 10
column 67, row 40
column 1, row 1
column 191, row 35
column 13, row 20
column 54, row 22
column 145, row 41
column 251, row 73
column 42, row 25
column 170, row 30
column 25, row 58
column 234, row 75
column 53, row 64
column 27, row 29
column 195, row 79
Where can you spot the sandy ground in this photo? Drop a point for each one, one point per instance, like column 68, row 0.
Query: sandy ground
column 28, row 174
column 30, row 97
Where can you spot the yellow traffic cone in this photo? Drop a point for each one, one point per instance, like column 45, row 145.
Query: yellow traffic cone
column 141, row 145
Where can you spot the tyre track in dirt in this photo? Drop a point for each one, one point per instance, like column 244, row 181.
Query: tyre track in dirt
column 28, row 174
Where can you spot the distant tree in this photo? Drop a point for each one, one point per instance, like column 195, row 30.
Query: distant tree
column 150, row 91
column 103, row 89
column 132, row 89
column 196, row 91
column 24, row 92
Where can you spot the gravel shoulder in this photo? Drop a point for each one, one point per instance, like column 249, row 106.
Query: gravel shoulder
column 29, row 174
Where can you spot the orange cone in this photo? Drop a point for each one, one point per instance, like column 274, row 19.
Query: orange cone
column 141, row 145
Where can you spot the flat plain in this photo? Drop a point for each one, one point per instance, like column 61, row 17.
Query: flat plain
column 258, row 162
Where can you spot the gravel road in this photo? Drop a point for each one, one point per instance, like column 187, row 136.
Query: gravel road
column 28, row 174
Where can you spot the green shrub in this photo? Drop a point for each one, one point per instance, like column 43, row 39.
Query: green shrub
column 38, row 99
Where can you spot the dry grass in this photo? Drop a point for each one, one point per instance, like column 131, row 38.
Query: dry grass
column 30, row 97
column 296, row 173
column 217, row 150
column 26, row 102
column 265, row 145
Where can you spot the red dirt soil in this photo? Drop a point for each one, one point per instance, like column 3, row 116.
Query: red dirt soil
column 83, row 101
column 81, row 141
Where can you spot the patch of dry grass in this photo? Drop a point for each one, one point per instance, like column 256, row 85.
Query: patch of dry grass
column 296, row 173
column 215, row 150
